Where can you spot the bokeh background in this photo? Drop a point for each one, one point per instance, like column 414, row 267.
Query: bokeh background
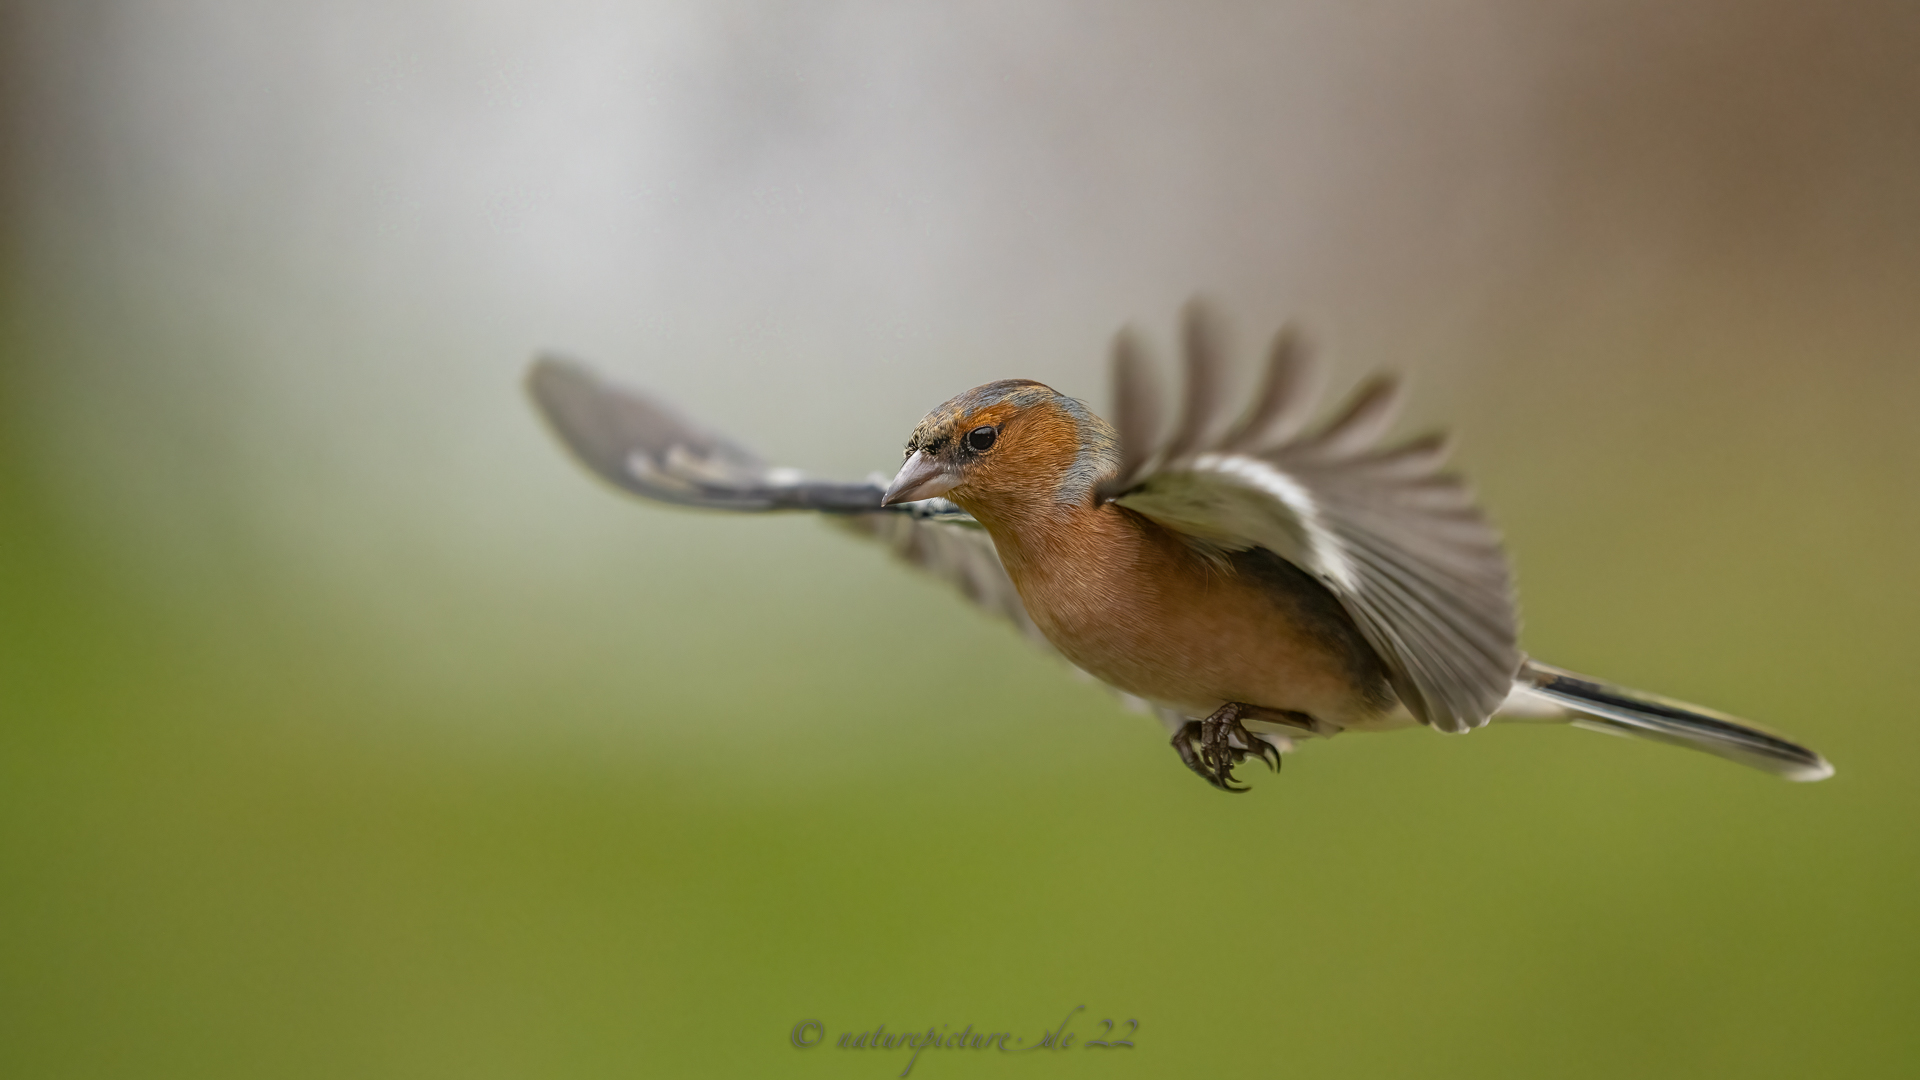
column 348, row 729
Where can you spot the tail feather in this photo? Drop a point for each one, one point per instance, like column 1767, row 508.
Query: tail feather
column 1617, row 710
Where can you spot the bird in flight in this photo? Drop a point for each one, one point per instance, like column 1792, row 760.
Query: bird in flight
column 1251, row 577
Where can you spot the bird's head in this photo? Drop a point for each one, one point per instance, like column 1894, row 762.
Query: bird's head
column 1007, row 449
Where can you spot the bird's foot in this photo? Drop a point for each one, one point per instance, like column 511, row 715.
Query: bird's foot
column 1212, row 747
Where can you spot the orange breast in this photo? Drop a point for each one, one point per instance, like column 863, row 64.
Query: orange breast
column 1139, row 608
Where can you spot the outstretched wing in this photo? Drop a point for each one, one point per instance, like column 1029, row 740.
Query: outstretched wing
column 649, row 449
column 1400, row 543
column 954, row 548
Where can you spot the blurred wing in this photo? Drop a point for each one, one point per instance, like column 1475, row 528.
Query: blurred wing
column 649, row 449
column 960, row 554
column 1401, row 544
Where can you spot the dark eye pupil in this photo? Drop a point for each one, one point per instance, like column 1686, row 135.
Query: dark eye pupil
column 981, row 438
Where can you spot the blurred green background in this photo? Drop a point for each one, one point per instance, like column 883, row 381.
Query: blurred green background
column 348, row 729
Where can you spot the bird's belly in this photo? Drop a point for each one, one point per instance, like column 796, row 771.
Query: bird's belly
column 1195, row 645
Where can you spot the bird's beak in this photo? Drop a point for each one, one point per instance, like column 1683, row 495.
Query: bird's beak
column 921, row 477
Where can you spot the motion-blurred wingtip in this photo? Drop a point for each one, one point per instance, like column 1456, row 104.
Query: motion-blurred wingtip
column 548, row 367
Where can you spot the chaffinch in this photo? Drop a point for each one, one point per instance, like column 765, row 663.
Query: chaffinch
column 1252, row 581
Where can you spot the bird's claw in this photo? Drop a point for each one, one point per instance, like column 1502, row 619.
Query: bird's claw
column 1208, row 747
column 1267, row 752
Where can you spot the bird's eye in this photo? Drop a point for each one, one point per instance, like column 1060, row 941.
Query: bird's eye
column 981, row 438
